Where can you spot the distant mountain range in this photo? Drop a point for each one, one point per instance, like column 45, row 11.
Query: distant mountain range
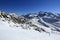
column 42, row 21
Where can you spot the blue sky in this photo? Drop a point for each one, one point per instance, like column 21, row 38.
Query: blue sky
column 30, row 6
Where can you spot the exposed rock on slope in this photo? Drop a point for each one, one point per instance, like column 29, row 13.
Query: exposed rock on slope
column 42, row 21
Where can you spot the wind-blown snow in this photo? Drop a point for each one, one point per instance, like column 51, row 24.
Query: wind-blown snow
column 10, row 33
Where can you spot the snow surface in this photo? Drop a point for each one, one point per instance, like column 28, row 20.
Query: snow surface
column 11, row 33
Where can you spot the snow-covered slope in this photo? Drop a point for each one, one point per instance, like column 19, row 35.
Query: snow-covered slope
column 46, row 19
column 9, row 33
column 29, row 27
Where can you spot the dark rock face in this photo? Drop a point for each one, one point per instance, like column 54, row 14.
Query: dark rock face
column 18, row 19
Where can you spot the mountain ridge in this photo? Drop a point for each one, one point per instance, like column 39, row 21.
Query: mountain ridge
column 42, row 22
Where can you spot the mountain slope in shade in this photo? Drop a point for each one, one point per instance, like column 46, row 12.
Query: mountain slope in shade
column 47, row 19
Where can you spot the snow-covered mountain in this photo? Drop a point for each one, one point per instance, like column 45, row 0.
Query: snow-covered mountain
column 34, row 25
column 42, row 21
column 46, row 19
